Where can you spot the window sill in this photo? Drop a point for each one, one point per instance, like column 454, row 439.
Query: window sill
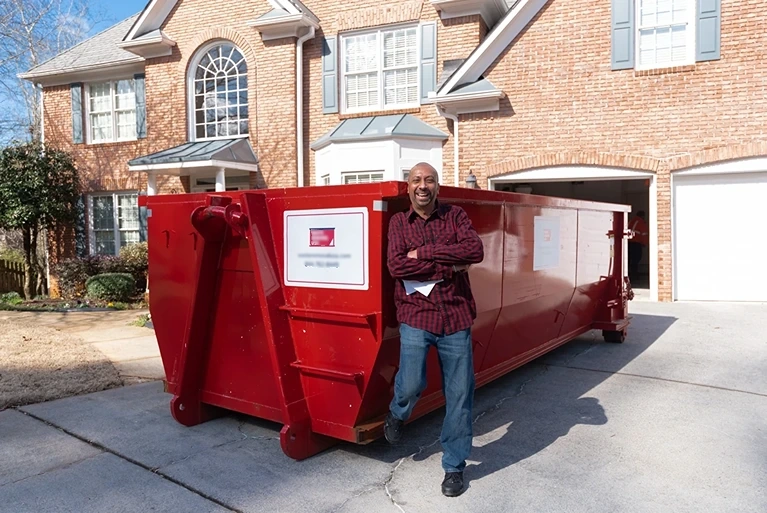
column 110, row 143
column 664, row 71
column 388, row 112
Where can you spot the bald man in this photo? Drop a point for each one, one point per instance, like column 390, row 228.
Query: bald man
column 431, row 246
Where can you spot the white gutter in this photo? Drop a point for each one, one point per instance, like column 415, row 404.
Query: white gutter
column 441, row 111
column 45, row 232
column 300, row 104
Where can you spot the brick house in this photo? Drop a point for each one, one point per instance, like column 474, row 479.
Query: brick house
column 659, row 104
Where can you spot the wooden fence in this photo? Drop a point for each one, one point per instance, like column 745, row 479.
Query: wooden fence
column 11, row 277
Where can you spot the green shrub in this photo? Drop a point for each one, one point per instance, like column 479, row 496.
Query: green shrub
column 134, row 259
column 11, row 298
column 73, row 273
column 111, row 287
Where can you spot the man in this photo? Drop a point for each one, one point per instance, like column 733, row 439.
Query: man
column 639, row 239
column 430, row 249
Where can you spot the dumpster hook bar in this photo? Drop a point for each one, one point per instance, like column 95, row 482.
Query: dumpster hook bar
column 221, row 207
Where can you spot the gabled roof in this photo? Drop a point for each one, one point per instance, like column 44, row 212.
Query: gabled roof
column 379, row 127
column 156, row 11
column 500, row 37
column 99, row 50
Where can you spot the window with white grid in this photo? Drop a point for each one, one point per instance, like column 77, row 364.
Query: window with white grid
column 114, row 222
column 325, row 180
column 665, row 33
column 112, row 111
column 368, row 177
column 219, row 84
column 380, row 69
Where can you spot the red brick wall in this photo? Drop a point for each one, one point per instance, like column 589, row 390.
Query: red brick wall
column 564, row 105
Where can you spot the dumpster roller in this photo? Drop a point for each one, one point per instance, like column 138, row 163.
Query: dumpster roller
column 278, row 303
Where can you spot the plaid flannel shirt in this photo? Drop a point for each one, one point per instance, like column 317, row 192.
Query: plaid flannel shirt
column 445, row 239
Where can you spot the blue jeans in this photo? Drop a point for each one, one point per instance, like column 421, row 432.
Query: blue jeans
column 456, row 362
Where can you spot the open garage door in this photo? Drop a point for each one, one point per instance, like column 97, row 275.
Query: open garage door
column 720, row 248
column 593, row 184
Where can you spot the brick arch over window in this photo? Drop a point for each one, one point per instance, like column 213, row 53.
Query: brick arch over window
column 210, row 35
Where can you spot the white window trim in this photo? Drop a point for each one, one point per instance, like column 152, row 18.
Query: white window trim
column 692, row 6
column 325, row 179
column 190, row 106
column 116, row 220
column 347, row 174
column 112, row 88
column 342, row 68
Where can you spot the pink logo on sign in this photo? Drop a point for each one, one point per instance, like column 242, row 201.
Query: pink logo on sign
column 547, row 235
column 322, row 237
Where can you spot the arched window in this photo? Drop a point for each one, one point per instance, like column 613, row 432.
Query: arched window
column 219, row 92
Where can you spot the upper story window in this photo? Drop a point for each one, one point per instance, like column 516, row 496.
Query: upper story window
column 380, row 69
column 666, row 33
column 112, row 111
column 219, row 92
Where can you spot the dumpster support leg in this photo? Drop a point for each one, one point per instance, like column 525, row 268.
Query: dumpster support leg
column 187, row 406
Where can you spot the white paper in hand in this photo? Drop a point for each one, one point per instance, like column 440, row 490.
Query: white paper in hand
column 424, row 287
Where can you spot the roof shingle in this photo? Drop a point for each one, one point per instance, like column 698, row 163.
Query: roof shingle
column 99, row 49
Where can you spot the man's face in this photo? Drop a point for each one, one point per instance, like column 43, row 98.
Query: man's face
column 423, row 186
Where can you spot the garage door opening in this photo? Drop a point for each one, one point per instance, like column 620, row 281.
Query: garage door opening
column 633, row 192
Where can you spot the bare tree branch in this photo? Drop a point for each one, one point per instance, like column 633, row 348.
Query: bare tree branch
column 32, row 32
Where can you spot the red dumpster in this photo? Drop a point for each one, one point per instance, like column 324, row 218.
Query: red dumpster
column 278, row 303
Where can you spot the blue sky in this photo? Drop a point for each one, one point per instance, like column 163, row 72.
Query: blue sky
column 112, row 12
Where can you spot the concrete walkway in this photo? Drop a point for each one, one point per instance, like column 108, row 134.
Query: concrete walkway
column 672, row 421
column 133, row 350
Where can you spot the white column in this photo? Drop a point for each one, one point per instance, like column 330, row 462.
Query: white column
column 653, row 192
column 151, row 184
column 221, row 180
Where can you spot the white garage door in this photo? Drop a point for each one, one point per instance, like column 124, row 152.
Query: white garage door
column 720, row 243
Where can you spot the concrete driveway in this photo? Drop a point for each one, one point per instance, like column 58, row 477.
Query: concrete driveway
column 673, row 420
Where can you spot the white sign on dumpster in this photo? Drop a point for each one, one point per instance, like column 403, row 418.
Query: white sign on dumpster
column 327, row 248
column 546, row 243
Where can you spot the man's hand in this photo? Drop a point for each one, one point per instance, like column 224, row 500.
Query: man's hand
column 461, row 268
column 413, row 253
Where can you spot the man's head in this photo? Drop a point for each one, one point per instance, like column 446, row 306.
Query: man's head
column 423, row 187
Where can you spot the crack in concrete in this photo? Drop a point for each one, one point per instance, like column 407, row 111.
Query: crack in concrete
column 391, row 477
column 246, row 436
column 135, row 462
column 363, row 492
column 52, row 469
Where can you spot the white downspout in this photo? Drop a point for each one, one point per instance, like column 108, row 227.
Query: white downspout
column 444, row 114
column 42, row 140
column 300, row 103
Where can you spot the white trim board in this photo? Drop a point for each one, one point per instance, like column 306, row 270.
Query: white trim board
column 746, row 165
column 507, row 30
column 569, row 173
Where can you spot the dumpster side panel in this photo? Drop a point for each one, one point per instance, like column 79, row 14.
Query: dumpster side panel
column 335, row 317
column 238, row 374
column 538, row 281
column 171, row 281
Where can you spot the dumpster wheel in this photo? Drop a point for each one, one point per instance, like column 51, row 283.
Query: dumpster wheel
column 616, row 337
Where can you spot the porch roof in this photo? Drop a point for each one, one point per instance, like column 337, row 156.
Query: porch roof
column 220, row 153
column 404, row 126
